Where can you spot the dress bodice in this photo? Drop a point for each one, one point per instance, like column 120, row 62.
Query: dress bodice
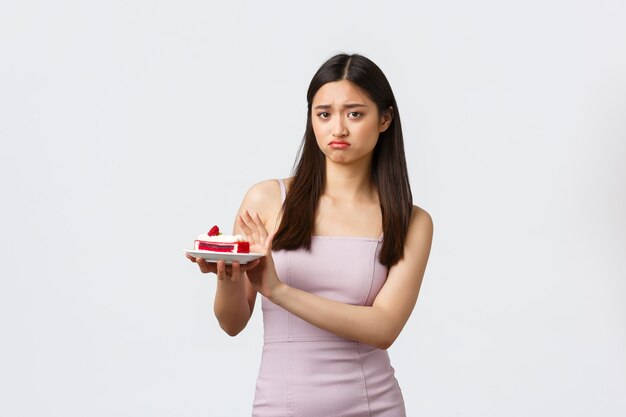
column 344, row 269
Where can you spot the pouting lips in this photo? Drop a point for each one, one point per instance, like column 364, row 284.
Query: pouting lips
column 338, row 144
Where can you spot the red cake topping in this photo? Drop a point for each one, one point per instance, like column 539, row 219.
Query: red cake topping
column 238, row 247
column 214, row 241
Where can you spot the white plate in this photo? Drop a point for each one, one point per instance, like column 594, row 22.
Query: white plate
column 210, row 256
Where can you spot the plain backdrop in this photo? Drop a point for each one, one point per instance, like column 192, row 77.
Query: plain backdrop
column 129, row 127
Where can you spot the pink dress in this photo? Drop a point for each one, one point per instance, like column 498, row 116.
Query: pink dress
column 309, row 372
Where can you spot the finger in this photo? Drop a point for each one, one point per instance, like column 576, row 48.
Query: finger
column 202, row 264
column 250, row 265
column 252, row 226
column 268, row 242
column 221, row 270
column 235, row 271
column 261, row 227
column 191, row 258
column 268, row 259
column 255, row 223
column 244, row 226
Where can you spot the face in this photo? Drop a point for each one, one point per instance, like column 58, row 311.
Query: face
column 346, row 122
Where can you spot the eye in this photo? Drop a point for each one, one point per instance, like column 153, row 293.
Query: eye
column 323, row 115
column 354, row 115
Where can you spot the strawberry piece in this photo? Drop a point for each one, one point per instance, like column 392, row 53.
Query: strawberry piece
column 214, row 231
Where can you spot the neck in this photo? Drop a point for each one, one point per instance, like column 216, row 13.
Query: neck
column 349, row 181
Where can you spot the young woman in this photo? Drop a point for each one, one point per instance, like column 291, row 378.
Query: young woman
column 346, row 253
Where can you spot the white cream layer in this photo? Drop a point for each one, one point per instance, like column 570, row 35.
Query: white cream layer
column 221, row 238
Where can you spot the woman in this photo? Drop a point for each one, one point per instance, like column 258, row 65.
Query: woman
column 336, row 294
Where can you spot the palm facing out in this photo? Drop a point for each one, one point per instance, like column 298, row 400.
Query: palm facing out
column 263, row 276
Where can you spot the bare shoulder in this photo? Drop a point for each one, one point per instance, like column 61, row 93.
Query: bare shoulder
column 263, row 193
column 264, row 198
column 420, row 231
column 421, row 217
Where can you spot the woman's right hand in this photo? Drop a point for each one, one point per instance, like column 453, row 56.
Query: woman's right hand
column 223, row 271
column 263, row 278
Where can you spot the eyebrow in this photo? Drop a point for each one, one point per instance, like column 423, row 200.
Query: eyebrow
column 345, row 106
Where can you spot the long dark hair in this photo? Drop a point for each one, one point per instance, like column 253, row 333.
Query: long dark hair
column 389, row 171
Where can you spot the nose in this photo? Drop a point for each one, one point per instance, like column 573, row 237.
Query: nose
column 339, row 128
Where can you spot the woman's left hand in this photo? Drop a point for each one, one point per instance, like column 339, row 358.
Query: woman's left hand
column 263, row 277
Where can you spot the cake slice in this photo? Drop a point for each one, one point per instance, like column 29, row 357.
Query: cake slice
column 214, row 241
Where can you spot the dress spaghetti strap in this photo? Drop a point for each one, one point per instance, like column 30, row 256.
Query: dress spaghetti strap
column 283, row 190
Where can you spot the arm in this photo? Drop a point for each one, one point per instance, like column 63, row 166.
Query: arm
column 378, row 325
column 234, row 300
column 235, row 297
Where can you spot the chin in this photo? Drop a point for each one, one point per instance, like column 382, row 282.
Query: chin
column 338, row 158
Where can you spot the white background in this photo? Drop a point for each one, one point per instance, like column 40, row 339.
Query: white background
column 128, row 127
